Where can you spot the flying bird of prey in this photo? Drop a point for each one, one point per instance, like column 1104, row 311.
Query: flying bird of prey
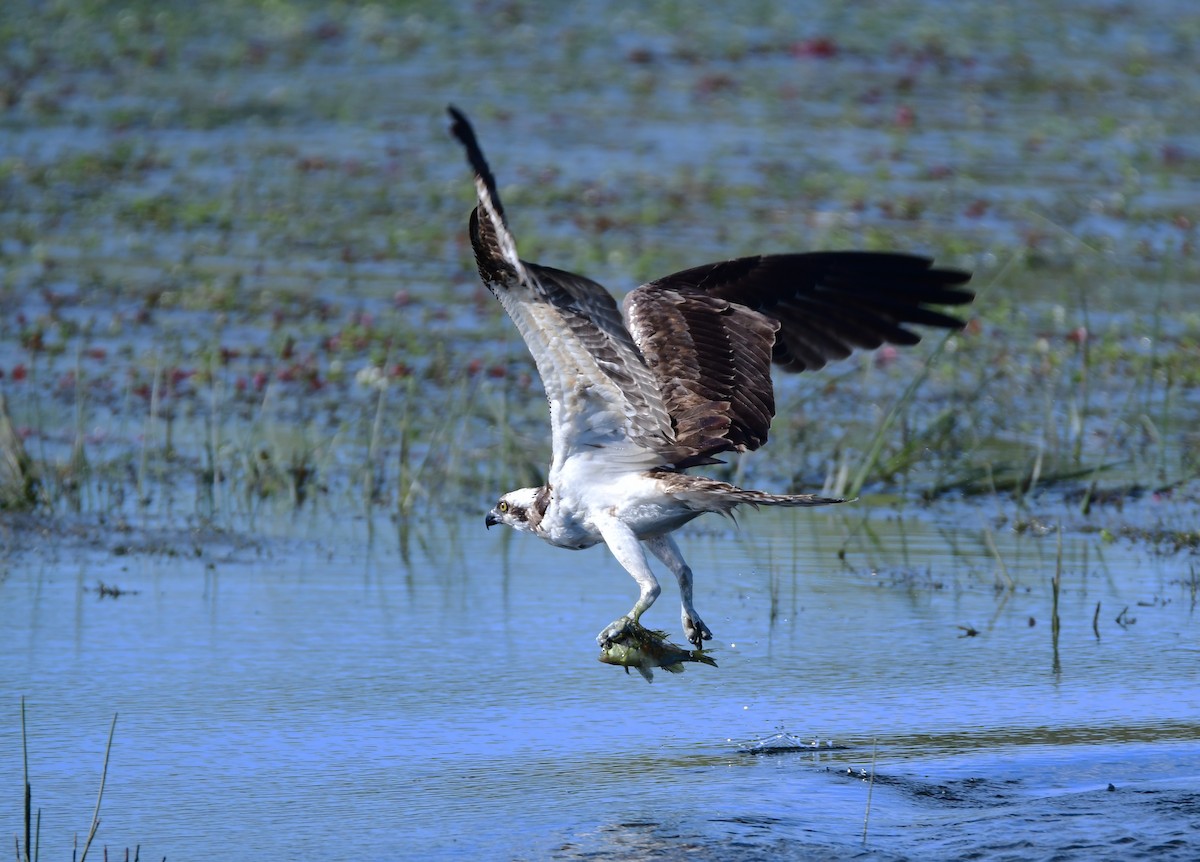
column 679, row 373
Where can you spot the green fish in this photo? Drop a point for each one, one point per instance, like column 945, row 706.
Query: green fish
column 643, row 649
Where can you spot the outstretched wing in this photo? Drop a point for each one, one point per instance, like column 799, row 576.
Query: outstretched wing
column 601, row 394
column 710, row 334
column 712, row 360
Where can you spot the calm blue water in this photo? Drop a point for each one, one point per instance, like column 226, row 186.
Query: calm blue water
column 299, row 698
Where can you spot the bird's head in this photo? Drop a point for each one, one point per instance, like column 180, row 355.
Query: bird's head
column 520, row 509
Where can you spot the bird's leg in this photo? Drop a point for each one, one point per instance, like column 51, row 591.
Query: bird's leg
column 665, row 549
column 624, row 545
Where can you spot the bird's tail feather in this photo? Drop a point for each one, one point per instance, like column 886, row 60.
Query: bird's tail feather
column 711, row 495
column 762, row 498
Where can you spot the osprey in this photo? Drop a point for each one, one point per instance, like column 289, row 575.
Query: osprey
column 679, row 373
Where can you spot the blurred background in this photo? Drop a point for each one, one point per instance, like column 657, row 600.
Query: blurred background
column 226, row 216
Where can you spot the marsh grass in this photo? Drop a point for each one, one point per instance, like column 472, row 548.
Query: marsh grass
column 201, row 359
column 887, row 421
column 462, row 418
column 18, row 480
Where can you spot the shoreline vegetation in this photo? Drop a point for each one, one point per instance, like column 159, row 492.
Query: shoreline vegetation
column 250, row 294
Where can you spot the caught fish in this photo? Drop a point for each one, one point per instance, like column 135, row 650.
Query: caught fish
column 643, row 649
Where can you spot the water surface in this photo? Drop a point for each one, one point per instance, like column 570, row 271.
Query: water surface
column 290, row 698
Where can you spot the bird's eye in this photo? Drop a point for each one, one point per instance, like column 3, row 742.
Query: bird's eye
column 503, row 507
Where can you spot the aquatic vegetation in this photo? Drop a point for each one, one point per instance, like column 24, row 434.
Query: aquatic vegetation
column 18, row 483
column 218, row 222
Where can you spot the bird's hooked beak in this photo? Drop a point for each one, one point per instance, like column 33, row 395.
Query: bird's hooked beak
column 491, row 520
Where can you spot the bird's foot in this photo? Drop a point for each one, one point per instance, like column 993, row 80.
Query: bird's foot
column 615, row 631
column 695, row 629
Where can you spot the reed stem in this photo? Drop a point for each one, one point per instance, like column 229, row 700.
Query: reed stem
column 100, row 794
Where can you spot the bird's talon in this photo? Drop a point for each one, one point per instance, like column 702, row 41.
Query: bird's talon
column 697, row 632
column 614, row 631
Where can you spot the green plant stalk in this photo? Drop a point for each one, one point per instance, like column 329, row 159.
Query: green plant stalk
column 79, row 463
column 893, row 413
column 1084, row 384
column 214, row 435
column 437, row 438
column 1155, row 362
column 373, row 448
column 1165, row 423
column 1138, row 381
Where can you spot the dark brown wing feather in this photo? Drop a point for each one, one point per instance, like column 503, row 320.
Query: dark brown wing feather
column 495, row 249
column 706, row 353
column 709, row 334
column 832, row 302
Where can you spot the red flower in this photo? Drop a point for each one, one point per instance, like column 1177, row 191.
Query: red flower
column 820, row 47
